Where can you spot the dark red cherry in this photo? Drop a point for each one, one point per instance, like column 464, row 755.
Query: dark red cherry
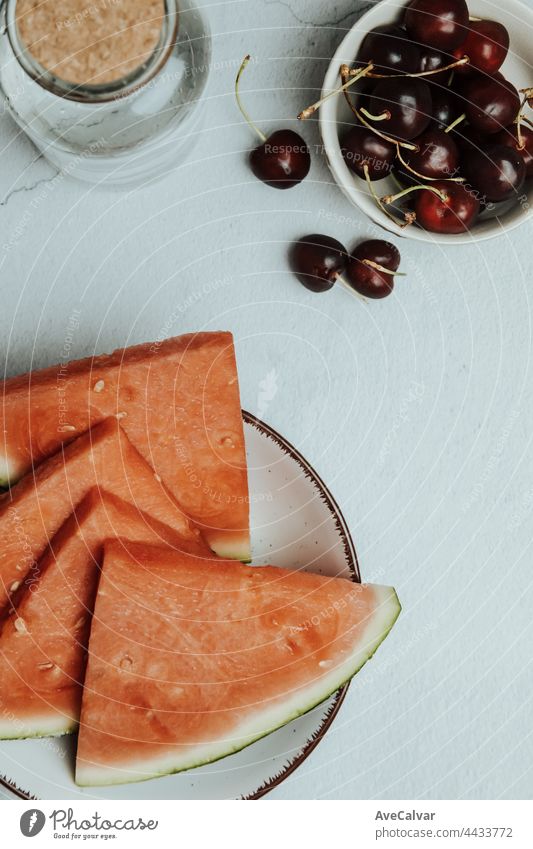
column 486, row 45
column 509, row 138
column 437, row 157
column 497, row 172
column 362, row 273
column 406, row 104
column 490, row 103
column 454, row 212
column 317, row 261
column 438, row 23
column 390, row 50
column 446, row 106
column 362, row 147
column 468, row 139
column 282, row 161
column 380, row 252
column 362, row 92
column 432, row 60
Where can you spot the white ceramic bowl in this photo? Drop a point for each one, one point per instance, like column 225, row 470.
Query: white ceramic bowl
column 335, row 116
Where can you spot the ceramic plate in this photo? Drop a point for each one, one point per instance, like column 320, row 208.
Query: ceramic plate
column 295, row 523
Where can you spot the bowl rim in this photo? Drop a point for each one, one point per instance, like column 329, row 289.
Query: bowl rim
column 328, row 125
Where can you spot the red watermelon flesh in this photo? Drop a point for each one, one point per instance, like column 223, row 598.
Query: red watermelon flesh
column 43, row 643
column 34, row 510
column 179, row 405
column 191, row 662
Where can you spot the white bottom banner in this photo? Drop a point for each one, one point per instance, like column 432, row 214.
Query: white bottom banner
column 299, row 823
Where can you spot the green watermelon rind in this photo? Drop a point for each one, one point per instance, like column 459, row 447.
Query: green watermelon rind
column 35, row 728
column 6, row 476
column 238, row 549
column 387, row 611
column 243, row 554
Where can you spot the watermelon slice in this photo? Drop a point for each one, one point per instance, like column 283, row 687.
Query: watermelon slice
column 179, row 404
column 37, row 506
column 190, row 662
column 43, row 644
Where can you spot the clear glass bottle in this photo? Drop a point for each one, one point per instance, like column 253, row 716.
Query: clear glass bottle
column 121, row 133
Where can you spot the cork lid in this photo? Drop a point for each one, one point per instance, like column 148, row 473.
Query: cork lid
column 90, row 42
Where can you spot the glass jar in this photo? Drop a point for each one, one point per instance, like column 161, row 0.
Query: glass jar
column 127, row 131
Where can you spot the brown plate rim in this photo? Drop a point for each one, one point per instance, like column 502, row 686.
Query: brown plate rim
column 353, row 565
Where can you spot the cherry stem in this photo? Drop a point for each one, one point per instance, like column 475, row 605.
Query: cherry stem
column 382, row 268
column 344, row 71
column 385, row 116
column 519, row 134
column 526, row 121
column 243, row 111
column 369, row 126
column 349, row 288
column 377, row 199
column 349, row 102
column 455, row 123
column 306, row 113
column 457, row 64
column 388, row 199
column 423, row 176
column 520, row 118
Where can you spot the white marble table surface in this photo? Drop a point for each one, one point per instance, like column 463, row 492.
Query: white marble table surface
column 417, row 410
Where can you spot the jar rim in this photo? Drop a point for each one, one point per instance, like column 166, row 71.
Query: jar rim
column 101, row 92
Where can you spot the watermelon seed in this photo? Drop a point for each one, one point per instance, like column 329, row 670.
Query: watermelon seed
column 80, row 623
column 45, row 665
column 228, row 441
column 68, row 427
column 126, row 662
column 121, row 415
column 158, row 478
column 325, row 664
column 20, row 626
column 98, row 386
column 14, row 586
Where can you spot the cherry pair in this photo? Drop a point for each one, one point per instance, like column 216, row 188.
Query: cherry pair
column 320, row 261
